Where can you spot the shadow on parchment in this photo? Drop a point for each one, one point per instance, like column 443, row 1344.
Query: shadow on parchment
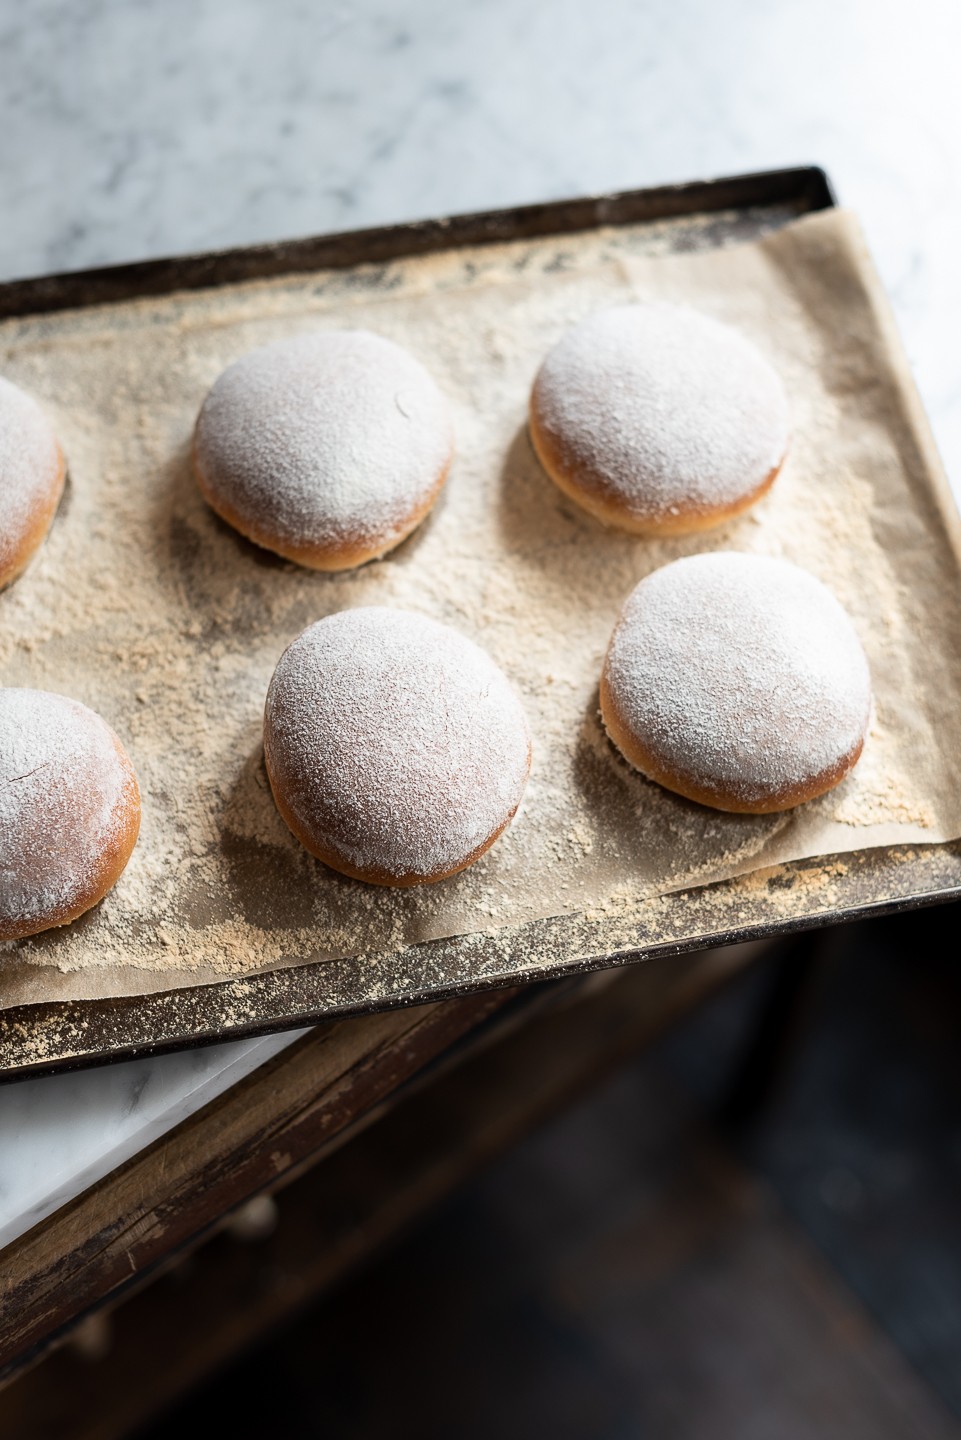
column 59, row 516
column 272, row 878
column 655, row 835
column 231, row 586
column 277, row 885
column 531, row 505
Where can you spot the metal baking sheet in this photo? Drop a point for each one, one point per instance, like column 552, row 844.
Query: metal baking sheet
column 47, row 1037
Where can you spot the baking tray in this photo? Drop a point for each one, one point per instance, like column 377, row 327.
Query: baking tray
column 795, row 897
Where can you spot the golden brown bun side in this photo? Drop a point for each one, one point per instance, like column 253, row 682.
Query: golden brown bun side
column 635, row 752
column 604, row 506
column 13, row 566
column 345, row 556
column 373, row 877
column 113, row 861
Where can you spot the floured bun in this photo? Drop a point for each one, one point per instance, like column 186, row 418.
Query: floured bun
column 328, row 448
column 69, row 810
column 738, row 681
column 397, row 751
column 658, row 419
column 32, row 473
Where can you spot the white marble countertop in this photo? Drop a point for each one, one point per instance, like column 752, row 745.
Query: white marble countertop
column 133, row 130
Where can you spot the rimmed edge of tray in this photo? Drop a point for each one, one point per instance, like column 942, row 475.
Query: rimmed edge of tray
column 807, row 186
column 541, row 950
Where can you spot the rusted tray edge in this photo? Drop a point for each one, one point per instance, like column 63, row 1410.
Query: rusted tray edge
column 806, row 185
column 174, row 1020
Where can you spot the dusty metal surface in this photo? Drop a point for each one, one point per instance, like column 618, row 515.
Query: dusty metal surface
column 806, row 895
column 47, row 1037
column 797, row 190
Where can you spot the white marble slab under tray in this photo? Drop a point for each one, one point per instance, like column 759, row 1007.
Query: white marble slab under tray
column 59, row 1135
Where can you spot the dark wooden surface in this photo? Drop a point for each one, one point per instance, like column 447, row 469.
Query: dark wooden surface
column 619, row 1274
column 629, row 1271
column 299, row 1108
column 292, row 1110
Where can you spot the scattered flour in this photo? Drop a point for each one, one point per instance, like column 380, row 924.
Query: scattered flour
column 147, row 608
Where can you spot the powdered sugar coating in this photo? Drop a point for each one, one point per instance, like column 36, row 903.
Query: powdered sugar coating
column 324, row 442
column 397, row 745
column 656, row 411
column 66, row 798
column 31, row 477
column 740, row 675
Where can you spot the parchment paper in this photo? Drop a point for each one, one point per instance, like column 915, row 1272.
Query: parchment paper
column 146, row 607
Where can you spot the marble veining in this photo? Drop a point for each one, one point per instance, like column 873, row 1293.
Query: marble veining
column 58, row 1135
column 140, row 128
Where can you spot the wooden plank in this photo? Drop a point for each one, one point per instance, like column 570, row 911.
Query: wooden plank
column 229, row 1295
column 296, row 1107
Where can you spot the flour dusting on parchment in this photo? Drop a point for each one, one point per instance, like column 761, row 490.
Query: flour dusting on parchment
column 147, row 608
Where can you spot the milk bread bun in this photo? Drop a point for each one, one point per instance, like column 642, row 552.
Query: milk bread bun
column 328, row 448
column 32, row 472
column 69, row 810
column 659, row 420
column 396, row 749
column 737, row 681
